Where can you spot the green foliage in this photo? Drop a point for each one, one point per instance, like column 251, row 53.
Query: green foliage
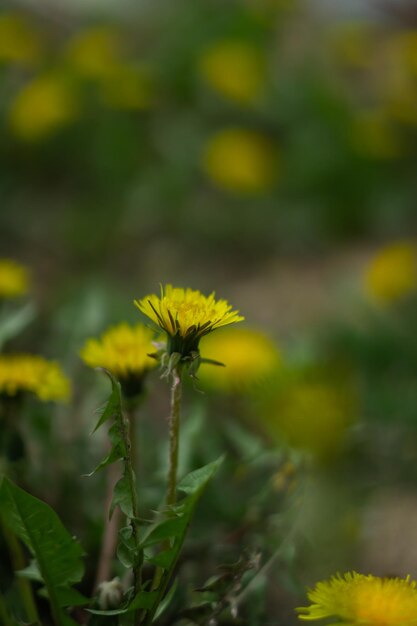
column 57, row 556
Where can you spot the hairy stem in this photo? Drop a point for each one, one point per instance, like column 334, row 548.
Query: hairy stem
column 174, row 431
column 134, row 521
column 111, row 529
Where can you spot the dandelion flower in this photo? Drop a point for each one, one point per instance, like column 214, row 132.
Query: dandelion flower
column 124, row 351
column 96, row 53
column 43, row 106
column 14, row 279
column 359, row 600
column 392, row 273
column 25, row 372
column 235, row 69
column 240, row 161
column 310, row 415
column 186, row 315
column 249, row 357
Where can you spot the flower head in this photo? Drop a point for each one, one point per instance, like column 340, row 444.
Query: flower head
column 14, row 279
column 46, row 104
column 186, row 315
column 359, row 600
column 124, row 351
column 312, row 415
column 249, row 356
column 27, row 372
column 392, row 274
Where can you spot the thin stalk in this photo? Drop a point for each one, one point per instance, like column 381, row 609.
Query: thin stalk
column 18, row 563
column 174, row 431
column 134, row 522
column 5, row 617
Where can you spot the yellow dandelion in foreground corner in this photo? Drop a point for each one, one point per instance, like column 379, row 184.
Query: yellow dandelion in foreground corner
column 26, row 372
column 124, row 351
column 392, row 274
column 249, row 357
column 359, row 600
column 241, row 161
column 14, row 279
column 186, row 315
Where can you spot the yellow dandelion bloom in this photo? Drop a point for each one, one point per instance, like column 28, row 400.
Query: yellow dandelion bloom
column 96, row 53
column 392, row 273
column 235, row 69
column 359, row 600
column 240, row 161
column 26, row 372
column 14, row 279
column 123, row 350
column 310, row 415
column 249, row 357
column 186, row 315
column 20, row 43
column 44, row 105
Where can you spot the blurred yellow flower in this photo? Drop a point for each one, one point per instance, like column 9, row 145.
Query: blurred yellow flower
column 310, row 415
column 249, row 357
column 97, row 52
column 358, row 600
column 129, row 87
column 123, row 350
column 186, row 315
column 240, row 161
column 14, row 279
column 373, row 134
column 26, row 372
column 235, row 69
column 47, row 103
column 392, row 273
column 20, row 43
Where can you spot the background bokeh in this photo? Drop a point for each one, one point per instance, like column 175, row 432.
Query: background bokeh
column 264, row 149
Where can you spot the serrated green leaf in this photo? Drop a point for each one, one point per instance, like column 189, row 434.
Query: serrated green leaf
column 122, row 497
column 193, row 485
column 114, row 403
column 126, row 548
column 162, row 559
column 198, row 479
column 143, row 600
column 163, row 606
column 57, row 554
column 31, row 572
column 164, row 530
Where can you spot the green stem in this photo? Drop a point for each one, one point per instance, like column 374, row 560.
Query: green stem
column 174, row 432
column 18, row 563
column 134, row 522
column 5, row 617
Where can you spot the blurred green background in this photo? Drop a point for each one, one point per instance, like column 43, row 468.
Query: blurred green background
column 264, row 149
